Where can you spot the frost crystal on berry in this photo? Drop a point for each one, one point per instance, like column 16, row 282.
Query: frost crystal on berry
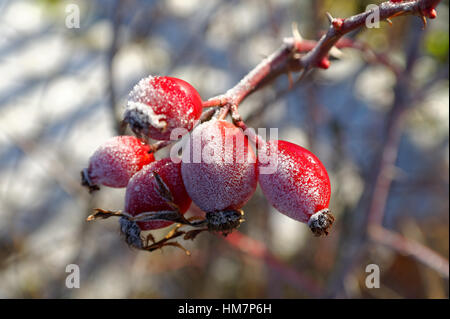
column 116, row 161
column 299, row 187
column 157, row 105
column 225, row 177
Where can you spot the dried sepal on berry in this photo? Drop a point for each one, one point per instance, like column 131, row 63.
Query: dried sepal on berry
column 131, row 232
column 321, row 222
column 159, row 104
column 225, row 221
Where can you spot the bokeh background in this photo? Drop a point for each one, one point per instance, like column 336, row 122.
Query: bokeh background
column 380, row 128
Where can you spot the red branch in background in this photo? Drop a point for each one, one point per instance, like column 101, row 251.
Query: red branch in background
column 411, row 248
column 258, row 250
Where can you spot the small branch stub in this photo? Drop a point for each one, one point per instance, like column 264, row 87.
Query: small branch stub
column 321, row 222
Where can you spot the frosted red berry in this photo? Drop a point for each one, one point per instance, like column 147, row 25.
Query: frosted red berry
column 298, row 185
column 220, row 173
column 143, row 195
column 429, row 12
column 159, row 104
column 116, row 161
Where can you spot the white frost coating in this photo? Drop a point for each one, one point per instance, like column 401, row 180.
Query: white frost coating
column 297, row 187
column 116, row 160
column 143, row 115
column 246, row 83
column 157, row 105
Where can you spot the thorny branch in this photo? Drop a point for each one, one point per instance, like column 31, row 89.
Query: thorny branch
column 286, row 59
column 300, row 55
column 297, row 54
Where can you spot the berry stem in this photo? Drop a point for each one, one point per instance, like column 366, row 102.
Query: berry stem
column 223, row 112
column 237, row 120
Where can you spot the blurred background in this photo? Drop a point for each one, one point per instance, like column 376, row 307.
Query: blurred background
column 378, row 119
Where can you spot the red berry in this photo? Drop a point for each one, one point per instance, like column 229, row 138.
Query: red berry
column 159, row 104
column 117, row 160
column 220, row 173
column 396, row 1
column 143, row 194
column 298, row 186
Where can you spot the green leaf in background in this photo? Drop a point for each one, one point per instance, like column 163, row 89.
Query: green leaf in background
column 436, row 44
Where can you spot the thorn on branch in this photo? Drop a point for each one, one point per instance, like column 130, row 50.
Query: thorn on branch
column 223, row 112
column 337, row 23
column 427, row 13
column 424, row 20
column 330, row 17
column 302, row 75
column 207, row 115
column 296, row 32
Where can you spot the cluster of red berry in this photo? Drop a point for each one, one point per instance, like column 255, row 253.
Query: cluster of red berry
column 298, row 186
